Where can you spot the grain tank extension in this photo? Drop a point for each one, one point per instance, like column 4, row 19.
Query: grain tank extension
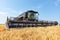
column 28, row 19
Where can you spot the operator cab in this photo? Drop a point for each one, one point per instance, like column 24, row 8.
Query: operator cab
column 31, row 15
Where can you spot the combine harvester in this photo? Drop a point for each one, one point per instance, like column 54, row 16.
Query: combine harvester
column 28, row 19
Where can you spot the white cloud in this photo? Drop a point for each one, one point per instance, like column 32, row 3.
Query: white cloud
column 2, row 13
column 6, row 12
column 3, row 17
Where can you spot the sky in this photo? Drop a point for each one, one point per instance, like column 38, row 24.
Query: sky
column 48, row 9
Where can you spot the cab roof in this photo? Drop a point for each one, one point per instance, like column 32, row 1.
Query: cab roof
column 32, row 11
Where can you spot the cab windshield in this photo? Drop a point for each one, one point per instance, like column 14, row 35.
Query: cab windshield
column 32, row 15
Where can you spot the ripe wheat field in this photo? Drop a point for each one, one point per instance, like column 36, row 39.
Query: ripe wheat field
column 31, row 33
